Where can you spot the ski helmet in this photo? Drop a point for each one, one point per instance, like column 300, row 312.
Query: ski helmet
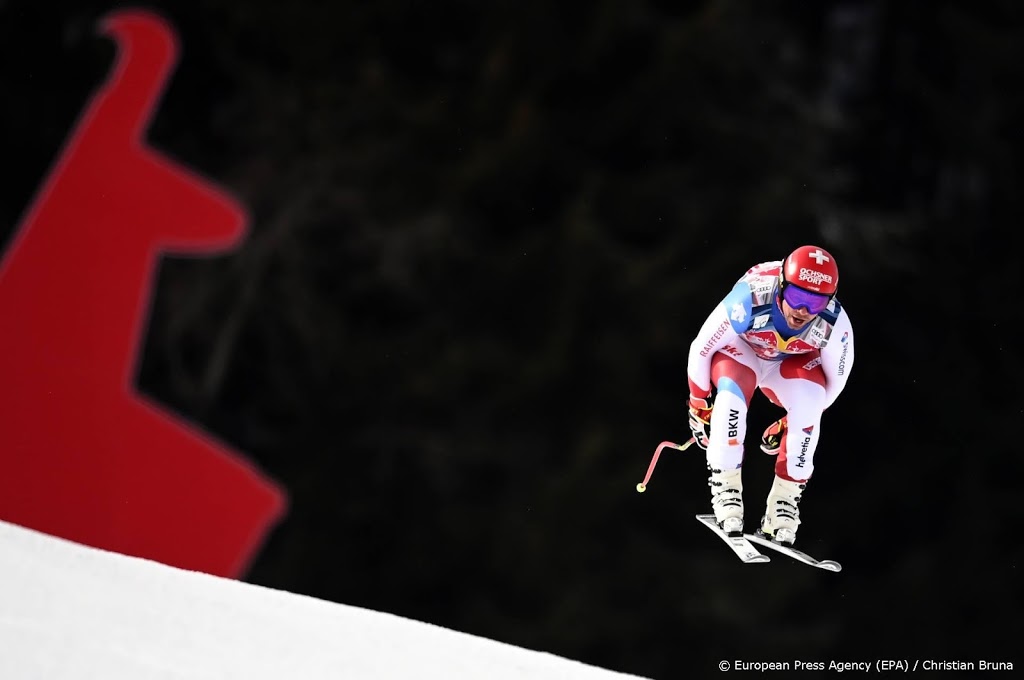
column 811, row 268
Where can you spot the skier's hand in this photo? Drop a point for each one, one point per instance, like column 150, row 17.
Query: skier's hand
column 700, row 418
column 771, row 440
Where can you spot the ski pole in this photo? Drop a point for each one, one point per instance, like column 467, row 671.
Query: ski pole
column 642, row 486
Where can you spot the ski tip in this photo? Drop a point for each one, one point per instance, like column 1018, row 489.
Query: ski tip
column 830, row 565
column 758, row 559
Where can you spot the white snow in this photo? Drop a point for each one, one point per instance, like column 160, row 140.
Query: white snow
column 68, row 611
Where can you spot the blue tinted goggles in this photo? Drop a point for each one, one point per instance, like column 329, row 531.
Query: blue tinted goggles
column 814, row 303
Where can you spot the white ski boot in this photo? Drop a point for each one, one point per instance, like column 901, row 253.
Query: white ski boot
column 782, row 512
column 727, row 500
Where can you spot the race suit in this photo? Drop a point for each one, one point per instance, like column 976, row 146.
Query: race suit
column 745, row 344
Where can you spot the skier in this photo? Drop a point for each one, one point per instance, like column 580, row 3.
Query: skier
column 781, row 330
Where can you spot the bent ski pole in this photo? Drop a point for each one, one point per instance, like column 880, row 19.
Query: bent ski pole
column 642, row 486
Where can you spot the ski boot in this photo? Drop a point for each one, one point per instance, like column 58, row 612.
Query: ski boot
column 782, row 513
column 727, row 500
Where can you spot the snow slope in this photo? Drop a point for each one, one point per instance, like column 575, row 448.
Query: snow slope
column 70, row 611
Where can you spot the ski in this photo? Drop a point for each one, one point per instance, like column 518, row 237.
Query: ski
column 743, row 548
column 828, row 565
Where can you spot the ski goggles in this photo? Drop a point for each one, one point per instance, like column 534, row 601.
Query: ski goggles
column 814, row 303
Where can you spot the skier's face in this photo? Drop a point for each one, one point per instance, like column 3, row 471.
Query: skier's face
column 796, row 318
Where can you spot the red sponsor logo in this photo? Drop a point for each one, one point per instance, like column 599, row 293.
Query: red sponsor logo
column 799, row 346
column 710, row 344
column 763, row 338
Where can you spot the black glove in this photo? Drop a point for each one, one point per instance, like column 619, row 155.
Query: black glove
column 700, row 409
column 771, row 440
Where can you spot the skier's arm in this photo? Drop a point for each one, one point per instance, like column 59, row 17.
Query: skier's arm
column 837, row 357
column 723, row 325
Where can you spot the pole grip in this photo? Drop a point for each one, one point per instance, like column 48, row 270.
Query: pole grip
column 642, row 486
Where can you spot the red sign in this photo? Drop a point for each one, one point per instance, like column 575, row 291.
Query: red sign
column 83, row 455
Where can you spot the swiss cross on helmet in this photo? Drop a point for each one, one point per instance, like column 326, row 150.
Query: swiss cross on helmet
column 811, row 268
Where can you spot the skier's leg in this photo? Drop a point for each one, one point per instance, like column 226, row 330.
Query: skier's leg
column 735, row 377
column 799, row 387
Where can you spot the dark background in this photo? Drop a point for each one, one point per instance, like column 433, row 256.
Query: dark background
column 483, row 236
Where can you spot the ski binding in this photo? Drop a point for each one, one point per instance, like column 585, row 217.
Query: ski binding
column 827, row 565
column 743, row 548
